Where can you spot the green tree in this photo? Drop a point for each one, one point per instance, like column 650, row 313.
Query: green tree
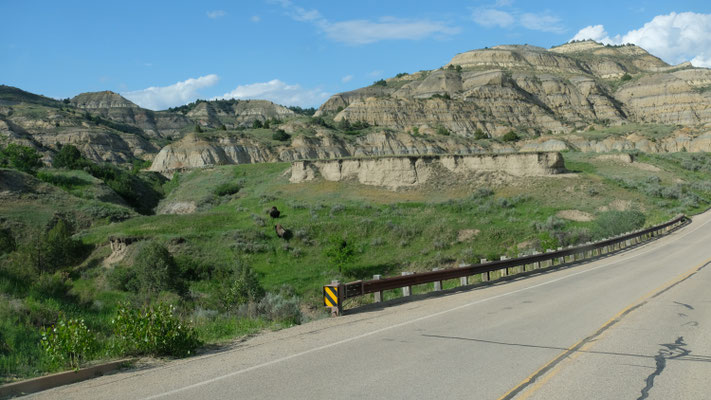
column 23, row 158
column 198, row 129
column 340, row 252
column 257, row 124
column 68, row 157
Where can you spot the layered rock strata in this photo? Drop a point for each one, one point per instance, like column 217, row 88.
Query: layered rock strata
column 398, row 172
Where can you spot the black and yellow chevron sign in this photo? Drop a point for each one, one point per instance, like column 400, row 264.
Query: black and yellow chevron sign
column 330, row 296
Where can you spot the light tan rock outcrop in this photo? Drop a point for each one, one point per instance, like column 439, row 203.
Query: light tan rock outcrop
column 534, row 90
column 398, row 172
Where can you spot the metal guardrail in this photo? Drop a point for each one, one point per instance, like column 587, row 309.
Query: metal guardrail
column 559, row 257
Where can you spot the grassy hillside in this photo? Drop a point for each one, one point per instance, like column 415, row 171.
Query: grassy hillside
column 231, row 275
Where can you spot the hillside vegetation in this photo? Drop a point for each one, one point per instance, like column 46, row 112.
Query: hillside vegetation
column 227, row 274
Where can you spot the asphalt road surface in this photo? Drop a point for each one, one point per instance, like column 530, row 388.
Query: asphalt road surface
column 636, row 325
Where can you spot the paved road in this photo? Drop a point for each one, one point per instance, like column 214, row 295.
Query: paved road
column 632, row 326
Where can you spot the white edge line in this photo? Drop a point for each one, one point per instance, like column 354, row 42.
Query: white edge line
column 426, row 317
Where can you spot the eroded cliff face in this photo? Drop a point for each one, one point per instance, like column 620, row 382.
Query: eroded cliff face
column 399, row 172
column 532, row 89
column 196, row 152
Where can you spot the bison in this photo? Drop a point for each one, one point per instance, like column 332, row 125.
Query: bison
column 282, row 232
column 273, row 212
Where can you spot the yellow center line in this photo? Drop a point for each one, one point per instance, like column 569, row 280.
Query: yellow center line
column 542, row 375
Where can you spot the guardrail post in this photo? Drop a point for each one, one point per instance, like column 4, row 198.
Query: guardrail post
column 463, row 280
column 406, row 290
column 377, row 296
column 537, row 264
column 561, row 260
column 333, row 296
column 485, row 275
column 437, row 284
column 505, row 271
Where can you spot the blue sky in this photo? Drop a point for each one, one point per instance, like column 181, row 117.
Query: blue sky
column 162, row 54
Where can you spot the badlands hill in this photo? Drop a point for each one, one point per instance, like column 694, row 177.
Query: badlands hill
column 579, row 96
column 107, row 127
column 535, row 90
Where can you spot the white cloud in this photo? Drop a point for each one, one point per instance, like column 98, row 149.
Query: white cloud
column 386, row 28
column 347, row 78
column 255, row 18
column 160, row 98
column 363, row 31
column 675, row 37
column 216, row 14
column 278, row 92
column 592, row 32
column 542, row 22
column 489, row 17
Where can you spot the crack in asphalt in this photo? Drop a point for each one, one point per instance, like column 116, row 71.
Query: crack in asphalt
column 670, row 352
column 684, row 305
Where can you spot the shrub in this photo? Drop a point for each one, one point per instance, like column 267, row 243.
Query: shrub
column 510, row 136
column 53, row 248
column 68, row 342
column 153, row 330
column 68, row 157
column 226, row 189
column 626, row 77
column 156, row 270
column 55, row 285
column 280, row 135
column 479, row 134
column 612, row 223
column 257, row 124
column 22, row 158
column 280, row 307
column 240, row 287
column 441, row 130
column 381, row 82
column 7, row 241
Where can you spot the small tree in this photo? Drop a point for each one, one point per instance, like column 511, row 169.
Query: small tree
column 68, row 157
column 156, row 270
column 23, row 158
column 340, row 252
column 381, row 82
column 257, row 124
column 198, row 129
